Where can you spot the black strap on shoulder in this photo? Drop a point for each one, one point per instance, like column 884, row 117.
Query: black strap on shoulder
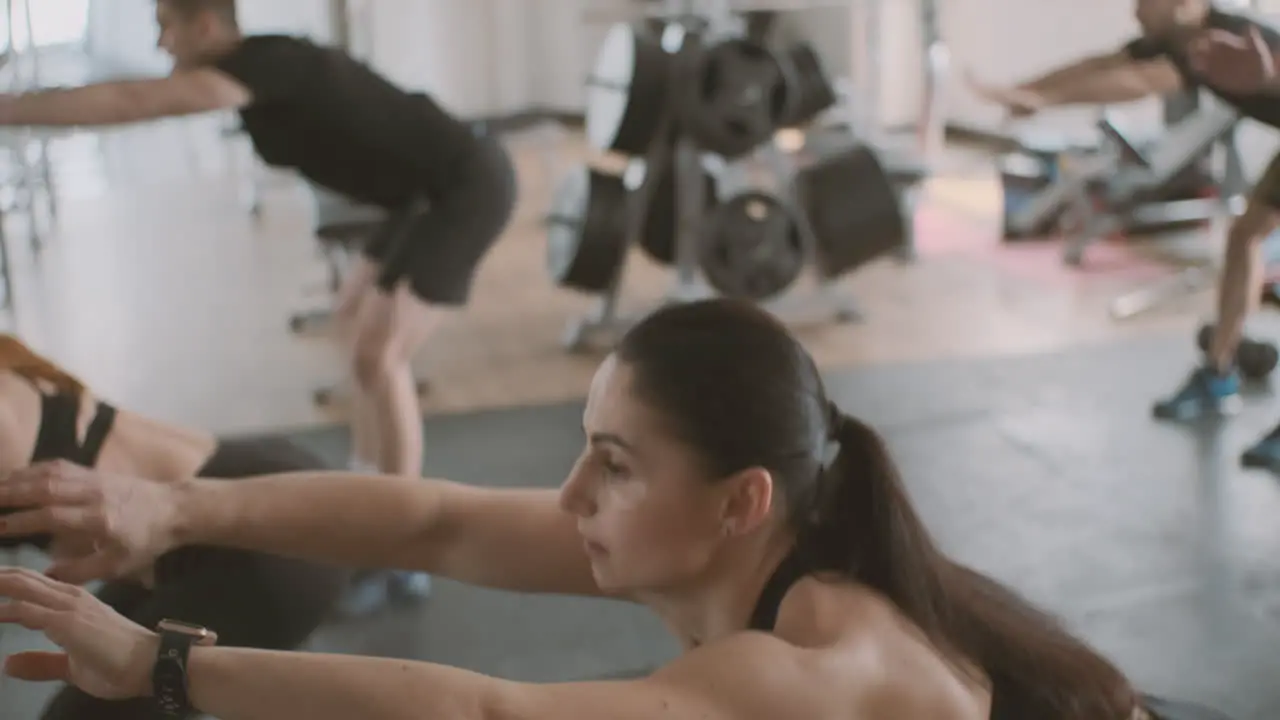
column 58, row 438
column 96, row 435
column 788, row 573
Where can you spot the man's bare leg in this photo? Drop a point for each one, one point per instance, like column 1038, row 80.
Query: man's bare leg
column 1240, row 288
column 1213, row 388
column 393, row 327
column 357, row 286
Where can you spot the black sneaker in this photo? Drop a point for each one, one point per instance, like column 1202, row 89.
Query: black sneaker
column 1206, row 392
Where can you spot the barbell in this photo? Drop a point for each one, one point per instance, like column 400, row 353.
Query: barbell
column 730, row 96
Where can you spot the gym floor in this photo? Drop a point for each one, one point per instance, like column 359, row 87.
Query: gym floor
column 1018, row 409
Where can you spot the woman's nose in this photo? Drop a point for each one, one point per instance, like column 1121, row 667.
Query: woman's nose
column 576, row 494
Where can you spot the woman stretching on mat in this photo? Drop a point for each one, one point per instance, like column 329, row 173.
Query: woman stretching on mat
column 254, row 599
column 718, row 485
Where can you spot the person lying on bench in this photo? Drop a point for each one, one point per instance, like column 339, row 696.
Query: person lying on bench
column 1189, row 44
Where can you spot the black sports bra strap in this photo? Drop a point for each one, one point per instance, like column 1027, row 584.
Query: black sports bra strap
column 96, row 435
column 788, row 573
column 56, row 438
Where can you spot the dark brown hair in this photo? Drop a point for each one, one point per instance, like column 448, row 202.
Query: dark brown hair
column 224, row 10
column 733, row 384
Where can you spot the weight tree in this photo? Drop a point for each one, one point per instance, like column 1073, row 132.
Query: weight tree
column 677, row 151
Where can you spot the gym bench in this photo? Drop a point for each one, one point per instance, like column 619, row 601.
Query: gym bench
column 1127, row 190
column 1187, row 141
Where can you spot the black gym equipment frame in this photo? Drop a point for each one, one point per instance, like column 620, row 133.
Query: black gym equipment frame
column 826, row 302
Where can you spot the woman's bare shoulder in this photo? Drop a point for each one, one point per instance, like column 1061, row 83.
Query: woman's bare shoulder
column 19, row 420
column 882, row 650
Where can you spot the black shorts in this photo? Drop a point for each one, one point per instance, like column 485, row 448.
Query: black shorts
column 437, row 246
column 250, row 599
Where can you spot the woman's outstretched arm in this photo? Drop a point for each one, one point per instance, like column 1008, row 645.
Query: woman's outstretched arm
column 742, row 678
column 516, row 539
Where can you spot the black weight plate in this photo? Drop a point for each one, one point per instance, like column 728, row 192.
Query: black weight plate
column 658, row 232
column 811, row 91
column 751, row 247
column 587, row 230
column 627, row 90
column 735, row 95
column 853, row 208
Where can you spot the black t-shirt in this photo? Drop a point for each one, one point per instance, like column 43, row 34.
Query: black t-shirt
column 342, row 125
column 1263, row 107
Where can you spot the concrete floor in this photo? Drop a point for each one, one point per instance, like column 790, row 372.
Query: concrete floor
column 1044, row 471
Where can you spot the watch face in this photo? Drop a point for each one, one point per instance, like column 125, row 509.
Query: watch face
column 199, row 634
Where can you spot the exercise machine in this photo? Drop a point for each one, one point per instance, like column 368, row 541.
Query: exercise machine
column 1191, row 138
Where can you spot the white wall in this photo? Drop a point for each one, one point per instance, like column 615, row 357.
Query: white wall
column 485, row 57
column 123, row 32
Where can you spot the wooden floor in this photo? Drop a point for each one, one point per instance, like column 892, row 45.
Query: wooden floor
column 159, row 288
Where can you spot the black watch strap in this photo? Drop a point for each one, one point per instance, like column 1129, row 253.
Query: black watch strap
column 169, row 676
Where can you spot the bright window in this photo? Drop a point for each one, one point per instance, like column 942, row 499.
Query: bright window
column 53, row 22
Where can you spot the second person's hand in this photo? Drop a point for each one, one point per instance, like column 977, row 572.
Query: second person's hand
column 119, row 524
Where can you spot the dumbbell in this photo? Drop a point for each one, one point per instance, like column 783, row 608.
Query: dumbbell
column 1255, row 358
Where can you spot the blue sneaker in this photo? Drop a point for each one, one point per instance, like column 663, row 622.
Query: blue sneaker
column 409, row 586
column 1264, row 454
column 368, row 593
column 1206, row 392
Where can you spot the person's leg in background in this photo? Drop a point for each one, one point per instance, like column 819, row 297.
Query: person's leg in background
column 427, row 273
column 360, row 299
column 1266, row 452
column 359, row 279
column 394, row 324
column 1213, row 388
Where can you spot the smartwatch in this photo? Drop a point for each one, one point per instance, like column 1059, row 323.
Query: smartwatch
column 169, row 676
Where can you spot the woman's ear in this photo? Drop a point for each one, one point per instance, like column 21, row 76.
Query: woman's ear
column 747, row 501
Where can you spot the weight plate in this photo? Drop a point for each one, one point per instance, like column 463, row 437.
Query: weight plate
column 812, row 91
column 627, row 91
column 751, row 248
column 854, row 210
column 658, row 229
column 737, row 92
column 587, row 230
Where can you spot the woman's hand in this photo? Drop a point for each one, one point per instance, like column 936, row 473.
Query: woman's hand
column 104, row 655
column 118, row 524
column 1234, row 63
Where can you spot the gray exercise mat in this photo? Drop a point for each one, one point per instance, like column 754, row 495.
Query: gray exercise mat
column 1044, row 470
